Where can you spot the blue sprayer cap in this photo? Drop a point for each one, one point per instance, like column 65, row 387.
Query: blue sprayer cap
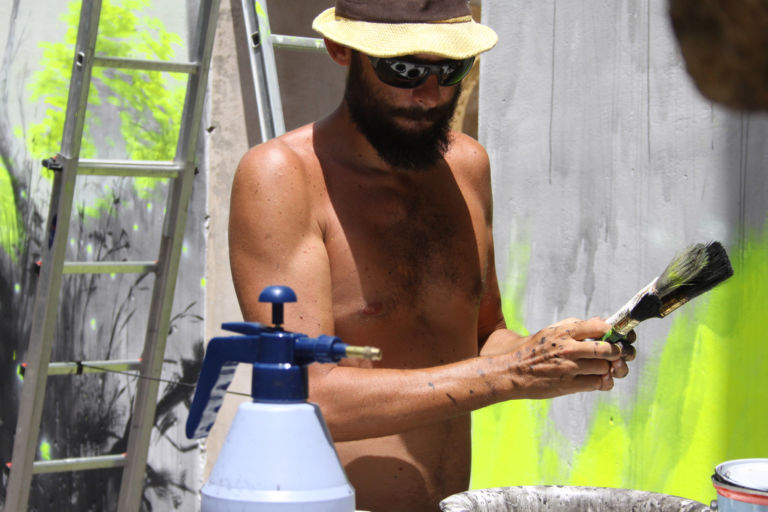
column 279, row 359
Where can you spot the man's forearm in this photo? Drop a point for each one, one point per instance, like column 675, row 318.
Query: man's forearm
column 360, row 403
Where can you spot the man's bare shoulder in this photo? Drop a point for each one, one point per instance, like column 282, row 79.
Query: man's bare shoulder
column 469, row 162
column 288, row 154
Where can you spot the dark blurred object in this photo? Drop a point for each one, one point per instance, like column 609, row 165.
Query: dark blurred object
column 725, row 47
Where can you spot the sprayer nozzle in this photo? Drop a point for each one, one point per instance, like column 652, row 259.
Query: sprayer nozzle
column 372, row 353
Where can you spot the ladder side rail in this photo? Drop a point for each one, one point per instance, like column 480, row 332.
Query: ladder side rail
column 46, row 304
column 271, row 123
column 268, row 55
column 143, row 418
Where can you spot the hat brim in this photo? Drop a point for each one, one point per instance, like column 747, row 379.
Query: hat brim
column 450, row 39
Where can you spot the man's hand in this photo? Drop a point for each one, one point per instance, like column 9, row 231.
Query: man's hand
column 563, row 358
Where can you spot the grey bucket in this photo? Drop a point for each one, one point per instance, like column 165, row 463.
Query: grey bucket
column 566, row 498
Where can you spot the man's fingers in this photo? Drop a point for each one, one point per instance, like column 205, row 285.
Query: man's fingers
column 593, row 382
column 594, row 328
column 628, row 352
column 593, row 367
column 619, row 368
column 593, row 350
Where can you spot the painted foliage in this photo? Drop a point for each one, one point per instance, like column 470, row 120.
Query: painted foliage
column 130, row 115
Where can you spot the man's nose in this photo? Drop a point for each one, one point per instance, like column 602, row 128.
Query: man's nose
column 427, row 94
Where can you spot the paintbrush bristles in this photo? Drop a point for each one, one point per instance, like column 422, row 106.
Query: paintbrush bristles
column 697, row 270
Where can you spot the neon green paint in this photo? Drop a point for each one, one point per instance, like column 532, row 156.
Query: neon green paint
column 17, row 288
column 699, row 402
column 19, row 372
column 202, row 282
column 93, row 324
column 45, row 450
column 135, row 227
column 11, row 231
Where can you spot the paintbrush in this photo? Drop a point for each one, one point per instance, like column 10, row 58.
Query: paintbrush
column 694, row 271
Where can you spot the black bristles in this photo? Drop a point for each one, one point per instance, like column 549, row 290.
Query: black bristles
column 699, row 269
column 648, row 306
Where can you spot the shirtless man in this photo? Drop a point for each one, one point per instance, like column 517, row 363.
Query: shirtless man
column 379, row 218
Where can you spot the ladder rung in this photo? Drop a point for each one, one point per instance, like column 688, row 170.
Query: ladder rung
column 134, row 168
column 146, row 65
column 78, row 464
column 74, row 368
column 109, row 267
column 298, row 42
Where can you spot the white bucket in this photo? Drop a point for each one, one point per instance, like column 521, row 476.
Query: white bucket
column 742, row 485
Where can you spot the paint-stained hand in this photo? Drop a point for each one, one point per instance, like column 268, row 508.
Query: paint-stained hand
column 567, row 358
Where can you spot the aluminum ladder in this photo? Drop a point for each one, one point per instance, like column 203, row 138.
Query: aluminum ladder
column 67, row 166
column 262, row 43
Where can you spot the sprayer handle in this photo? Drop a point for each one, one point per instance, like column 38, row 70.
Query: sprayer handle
column 221, row 358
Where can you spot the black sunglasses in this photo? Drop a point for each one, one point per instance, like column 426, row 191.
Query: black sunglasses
column 410, row 72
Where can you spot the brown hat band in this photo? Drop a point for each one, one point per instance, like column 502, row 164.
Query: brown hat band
column 402, row 11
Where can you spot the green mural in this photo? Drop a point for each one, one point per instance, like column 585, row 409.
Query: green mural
column 131, row 115
column 699, row 402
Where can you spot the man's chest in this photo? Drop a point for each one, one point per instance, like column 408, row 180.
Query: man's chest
column 408, row 247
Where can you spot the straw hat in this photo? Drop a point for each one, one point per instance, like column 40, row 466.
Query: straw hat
column 391, row 28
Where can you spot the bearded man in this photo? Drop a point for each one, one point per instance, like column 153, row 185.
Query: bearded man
column 379, row 217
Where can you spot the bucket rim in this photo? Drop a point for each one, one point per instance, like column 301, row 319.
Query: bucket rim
column 720, row 476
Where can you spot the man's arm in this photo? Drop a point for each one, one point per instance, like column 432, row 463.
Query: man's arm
column 277, row 237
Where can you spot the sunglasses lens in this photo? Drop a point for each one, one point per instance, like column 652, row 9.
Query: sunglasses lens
column 407, row 74
column 401, row 73
column 454, row 71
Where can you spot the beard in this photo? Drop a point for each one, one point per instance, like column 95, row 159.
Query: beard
column 400, row 147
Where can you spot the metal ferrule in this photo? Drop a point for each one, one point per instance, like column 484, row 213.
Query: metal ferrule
column 668, row 307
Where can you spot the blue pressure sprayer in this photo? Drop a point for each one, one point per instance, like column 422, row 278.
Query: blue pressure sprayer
column 278, row 454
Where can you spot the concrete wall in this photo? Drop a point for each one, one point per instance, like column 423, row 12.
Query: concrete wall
column 606, row 163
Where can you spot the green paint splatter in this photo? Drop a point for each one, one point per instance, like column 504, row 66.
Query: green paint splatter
column 45, row 450
column 93, row 324
column 202, row 282
column 701, row 402
column 17, row 288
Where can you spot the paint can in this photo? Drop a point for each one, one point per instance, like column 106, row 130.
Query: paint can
column 742, row 485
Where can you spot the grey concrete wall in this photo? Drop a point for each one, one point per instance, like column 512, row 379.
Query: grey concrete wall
column 606, row 162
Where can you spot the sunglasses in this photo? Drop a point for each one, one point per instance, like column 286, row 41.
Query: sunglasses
column 409, row 72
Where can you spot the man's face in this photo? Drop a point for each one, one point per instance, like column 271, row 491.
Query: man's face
column 409, row 137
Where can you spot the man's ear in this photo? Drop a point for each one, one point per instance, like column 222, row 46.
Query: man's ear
column 339, row 53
